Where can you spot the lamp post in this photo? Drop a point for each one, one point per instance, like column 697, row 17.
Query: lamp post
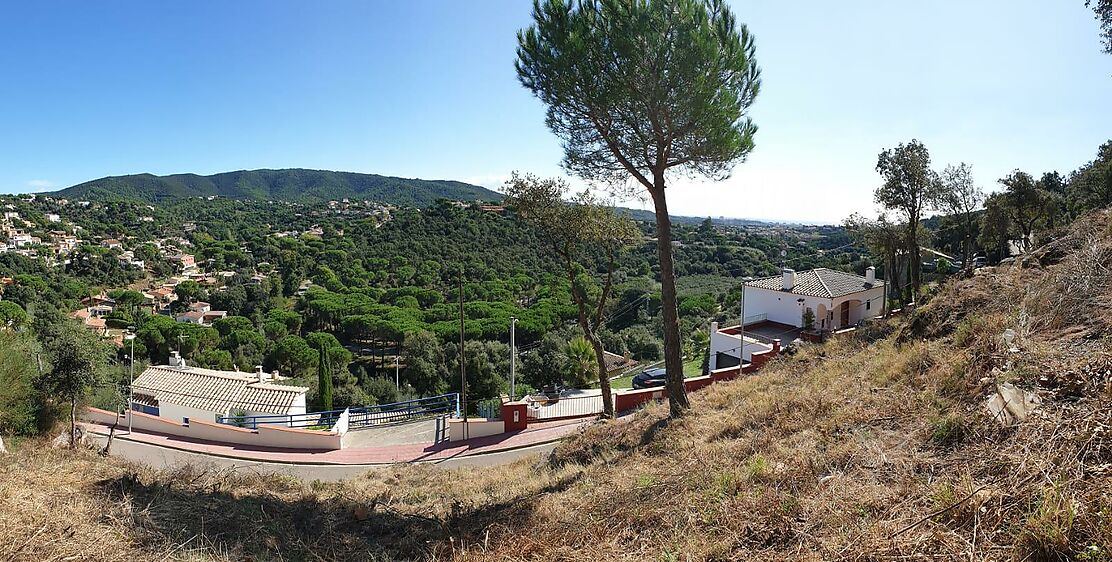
column 513, row 354
column 397, row 369
column 130, row 335
column 741, row 329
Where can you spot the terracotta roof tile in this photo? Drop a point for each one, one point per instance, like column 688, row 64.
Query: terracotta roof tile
column 216, row 391
column 821, row 282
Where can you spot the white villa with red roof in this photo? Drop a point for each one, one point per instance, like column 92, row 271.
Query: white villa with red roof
column 774, row 309
column 837, row 299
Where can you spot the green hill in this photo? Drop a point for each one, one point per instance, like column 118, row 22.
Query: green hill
column 298, row 185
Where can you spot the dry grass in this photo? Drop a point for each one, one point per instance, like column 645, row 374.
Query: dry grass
column 856, row 450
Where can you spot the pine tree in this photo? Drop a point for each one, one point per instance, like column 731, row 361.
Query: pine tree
column 647, row 90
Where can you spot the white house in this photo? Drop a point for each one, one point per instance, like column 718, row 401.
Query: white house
column 191, row 317
column 837, row 299
column 176, row 392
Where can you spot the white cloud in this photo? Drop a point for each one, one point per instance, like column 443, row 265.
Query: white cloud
column 40, row 185
column 489, row 181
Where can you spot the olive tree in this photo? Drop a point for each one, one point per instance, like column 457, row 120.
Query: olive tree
column 577, row 230
column 961, row 198
column 78, row 359
column 645, row 89
column 910, row 188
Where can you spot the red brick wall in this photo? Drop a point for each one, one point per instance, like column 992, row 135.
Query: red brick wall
column 629, row 399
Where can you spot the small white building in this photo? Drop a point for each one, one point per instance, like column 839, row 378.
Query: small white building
column 725, row 343
column 837, row 299
column 177, row 392
column 191, row 317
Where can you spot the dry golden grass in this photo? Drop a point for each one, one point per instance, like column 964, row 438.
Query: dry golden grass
column 855, row 450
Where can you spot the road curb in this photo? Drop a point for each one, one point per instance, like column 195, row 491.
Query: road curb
column 326, row 463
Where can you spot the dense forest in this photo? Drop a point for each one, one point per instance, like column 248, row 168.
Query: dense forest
column 380, row 285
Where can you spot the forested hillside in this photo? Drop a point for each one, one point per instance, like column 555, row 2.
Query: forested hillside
column 377, row 285
column 293, row 184
column 876, row 445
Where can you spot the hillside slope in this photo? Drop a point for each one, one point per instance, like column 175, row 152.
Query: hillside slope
column 876, row 446
column 295, row 184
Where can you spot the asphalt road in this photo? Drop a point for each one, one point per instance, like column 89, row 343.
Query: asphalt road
column 423, row 431
column 163, row 458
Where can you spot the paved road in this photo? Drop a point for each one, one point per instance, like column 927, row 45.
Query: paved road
column 423, row 431
column 162, row 457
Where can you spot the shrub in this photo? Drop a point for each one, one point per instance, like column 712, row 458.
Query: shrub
column 947, row 430
column 20, row 404
column 642, row 344
column 1048, row 531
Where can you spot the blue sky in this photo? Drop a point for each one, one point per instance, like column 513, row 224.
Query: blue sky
column 427, row 89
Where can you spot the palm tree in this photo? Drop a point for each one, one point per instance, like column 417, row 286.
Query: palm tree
column 581, row 361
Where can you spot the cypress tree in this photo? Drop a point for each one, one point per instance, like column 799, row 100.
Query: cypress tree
column 324, row 379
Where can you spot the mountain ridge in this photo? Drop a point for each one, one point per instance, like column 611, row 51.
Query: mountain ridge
column 288, row 184
column 305, row 185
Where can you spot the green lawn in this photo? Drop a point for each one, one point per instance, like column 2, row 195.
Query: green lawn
column 692, row 368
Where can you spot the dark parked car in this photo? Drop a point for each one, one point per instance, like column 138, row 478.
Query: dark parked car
column 650, row 378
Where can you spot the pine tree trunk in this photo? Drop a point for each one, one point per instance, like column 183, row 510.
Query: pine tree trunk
column 73, row 422
column 673, row 360
column 603, row 374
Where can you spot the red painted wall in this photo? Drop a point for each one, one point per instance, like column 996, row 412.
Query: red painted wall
column 630, row 399
column 508, row 411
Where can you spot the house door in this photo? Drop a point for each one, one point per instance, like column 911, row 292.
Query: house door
column 845, row 315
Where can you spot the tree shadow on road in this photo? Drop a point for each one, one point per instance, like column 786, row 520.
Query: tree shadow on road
column 265, row 518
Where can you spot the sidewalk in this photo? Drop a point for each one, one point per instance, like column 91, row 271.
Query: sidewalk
column 389, row 454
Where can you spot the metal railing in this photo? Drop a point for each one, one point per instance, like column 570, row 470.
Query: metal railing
column 756, row 318
column 490, row 408
column 358, row 417
column 543, row 408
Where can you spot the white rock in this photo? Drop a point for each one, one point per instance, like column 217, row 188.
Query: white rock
column 1010, row 405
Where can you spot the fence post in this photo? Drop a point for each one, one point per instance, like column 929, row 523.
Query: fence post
column 457, row 404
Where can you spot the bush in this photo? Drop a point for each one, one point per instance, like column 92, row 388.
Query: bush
column 381, row 390
column 643, row 345
column 21, row 405
column 947, row 430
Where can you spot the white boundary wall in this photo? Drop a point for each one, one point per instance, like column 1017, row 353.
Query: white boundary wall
column 265, row 436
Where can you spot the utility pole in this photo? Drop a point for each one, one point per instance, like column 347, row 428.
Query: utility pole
column 397, row 368
column 513, row 356
column 462, row 356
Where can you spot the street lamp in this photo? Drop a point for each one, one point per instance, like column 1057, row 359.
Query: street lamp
column 130, row 335
column 513, row 354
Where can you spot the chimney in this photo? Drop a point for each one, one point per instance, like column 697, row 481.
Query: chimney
column 176, row 360
column 260, row 374
column 789, row 279
column 870, row 275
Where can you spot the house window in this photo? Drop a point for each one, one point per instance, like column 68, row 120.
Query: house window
column 868, row 305
column 830, row 315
